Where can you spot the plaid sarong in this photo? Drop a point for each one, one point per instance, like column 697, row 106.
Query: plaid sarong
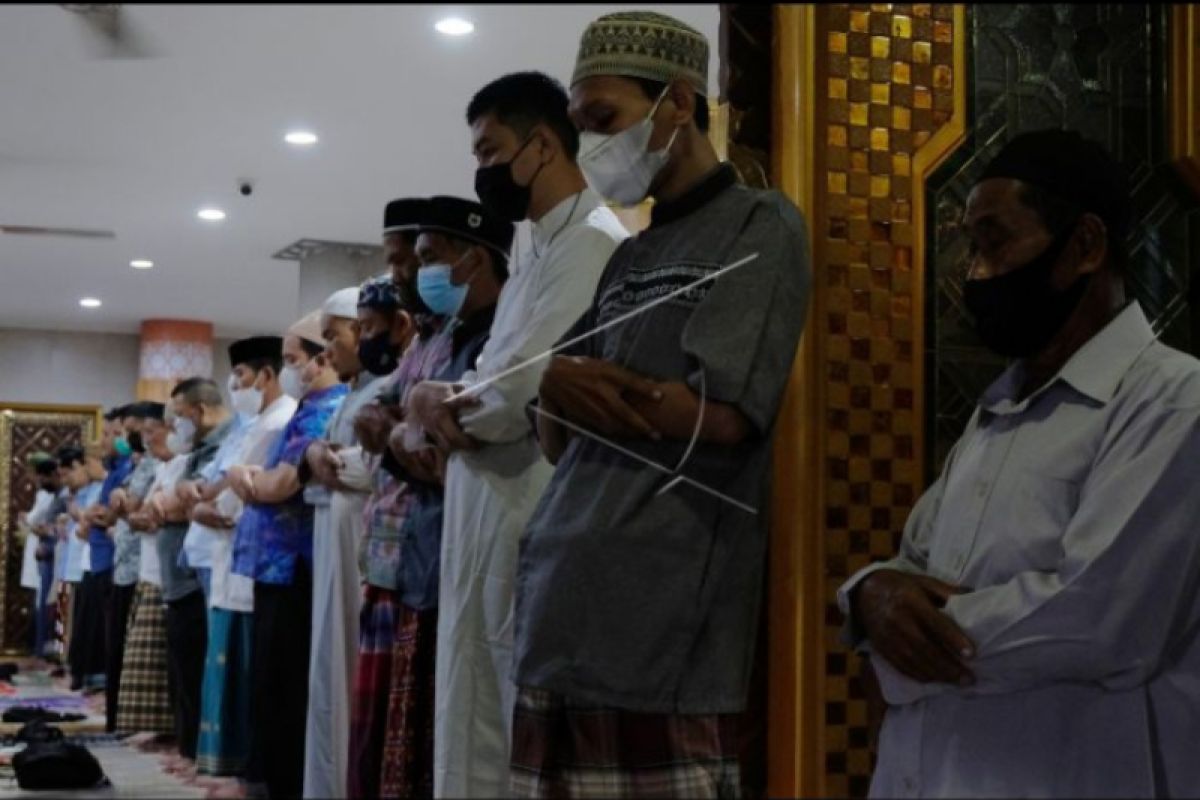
column 408, row 746
column 370, row 696
column 143, row 705
column 564, row 749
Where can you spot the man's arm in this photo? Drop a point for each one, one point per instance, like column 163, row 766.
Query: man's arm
column 566, row 285
column 1124, row 592
column 269, row 487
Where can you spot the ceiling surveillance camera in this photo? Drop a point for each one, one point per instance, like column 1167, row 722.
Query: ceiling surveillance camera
column 246, row 188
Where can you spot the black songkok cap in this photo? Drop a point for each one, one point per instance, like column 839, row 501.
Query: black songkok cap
column 70, row 454
column 148, row 410
column 467, row 220
column 244, row 351
column 1075, row 169
column 43, row 464
column 404, row 215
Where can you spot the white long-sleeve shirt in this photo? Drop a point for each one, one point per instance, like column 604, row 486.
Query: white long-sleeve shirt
column 1072, row 517
column 229, row 591
column 491, row 493
column 548, row 290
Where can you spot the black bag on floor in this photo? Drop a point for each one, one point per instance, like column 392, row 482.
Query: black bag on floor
column 51, row 763
column 32, row 713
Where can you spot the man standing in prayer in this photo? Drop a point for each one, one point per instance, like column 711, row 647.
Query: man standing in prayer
column 273, row 546
column 256, row 395
column 337, row 530
column 124, row 500
column 526, row 148
column 1037, row 633
column 641, row 573
column 97, row 584
column 412, row 329
column 463, row 253
column 144, row 702
column 86, row 477
column 49, row 503
column 201, row 423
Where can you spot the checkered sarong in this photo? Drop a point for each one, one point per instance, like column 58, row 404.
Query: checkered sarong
column 143, row 705
column 564, row 749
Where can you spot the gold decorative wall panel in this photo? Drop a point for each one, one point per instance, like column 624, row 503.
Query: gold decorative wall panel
column 883, row 103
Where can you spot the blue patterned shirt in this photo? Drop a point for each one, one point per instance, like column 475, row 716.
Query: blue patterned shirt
column 270, row 537
column 103, row 547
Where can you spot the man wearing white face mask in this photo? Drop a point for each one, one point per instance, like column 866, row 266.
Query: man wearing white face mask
column 199, row 410
column 462, row 249
column 273, row 546
column 225, row 705
column 245, row 402
column 638, row 593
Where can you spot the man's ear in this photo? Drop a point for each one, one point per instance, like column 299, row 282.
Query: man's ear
column 548, row 143
column 683, row 95
column 1092, row 240
column 402, row 326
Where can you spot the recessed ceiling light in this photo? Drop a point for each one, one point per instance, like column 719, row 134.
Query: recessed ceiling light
column 141, row 263
column 303, row 138
column 211, row 214
column 89, row 302
column 454, row 26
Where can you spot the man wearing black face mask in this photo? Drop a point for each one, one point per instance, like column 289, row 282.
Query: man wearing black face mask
column 526, row 146
column 338, row 491
column 383, row 329
column 1037, row 630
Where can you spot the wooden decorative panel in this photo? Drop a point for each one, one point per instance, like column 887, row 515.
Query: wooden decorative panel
column 25, row 430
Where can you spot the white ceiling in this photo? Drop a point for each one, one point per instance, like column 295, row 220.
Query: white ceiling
column 139, row 145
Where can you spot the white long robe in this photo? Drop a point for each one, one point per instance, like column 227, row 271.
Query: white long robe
column 337, row 529
column 491, row 494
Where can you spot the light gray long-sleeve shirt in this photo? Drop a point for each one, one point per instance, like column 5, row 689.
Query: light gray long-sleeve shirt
column 1074, row 518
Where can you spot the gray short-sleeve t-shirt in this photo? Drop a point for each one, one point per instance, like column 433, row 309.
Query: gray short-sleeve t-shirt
column 643, row 600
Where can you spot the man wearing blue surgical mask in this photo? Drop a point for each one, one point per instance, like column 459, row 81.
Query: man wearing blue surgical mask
column 463, row 251
column 638, row 593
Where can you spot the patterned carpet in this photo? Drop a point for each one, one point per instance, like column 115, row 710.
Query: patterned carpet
column 133, row 772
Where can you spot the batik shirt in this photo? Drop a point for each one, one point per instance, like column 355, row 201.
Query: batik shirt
column 418, row 528
column 271, row 538
column 389, row 505
column 128, row 543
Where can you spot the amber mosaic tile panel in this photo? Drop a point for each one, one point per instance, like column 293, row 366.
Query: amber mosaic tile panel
column 889, row 82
